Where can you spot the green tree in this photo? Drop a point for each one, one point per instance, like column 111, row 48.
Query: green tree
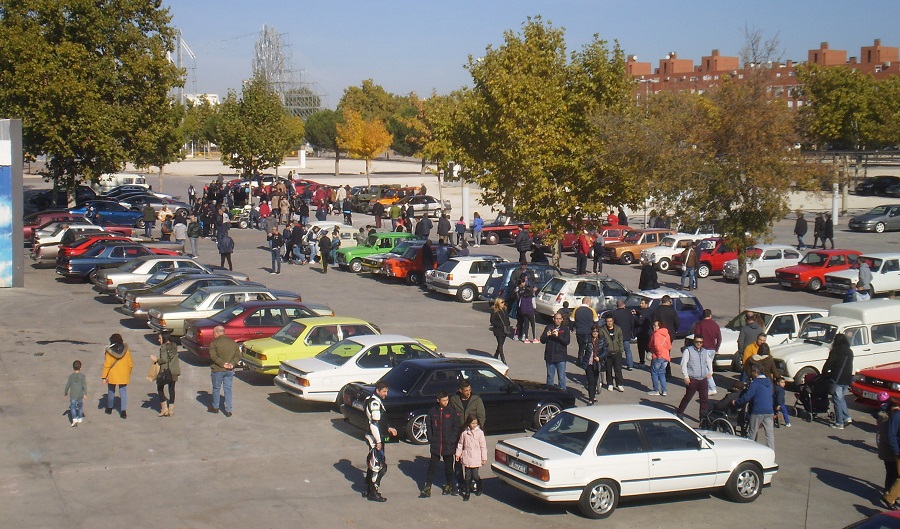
column 254, row 131
column 200, row 122
column 321, row 132
column 840, row 109
column 361, row 138
column 87, row 78
column 524, row 131
column 370, row 100
column 160, row 142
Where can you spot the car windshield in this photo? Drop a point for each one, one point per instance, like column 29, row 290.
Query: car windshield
column 448, row 266
column 499, row 271
column 553, row 286
column 401, row 248
column 195, row 299
column 814, row 259
column 290, row 332
column 339, row 353
column 158, row 277
column 741, row 319
column 569, row 432
column 668, row 242
column 402, row 378
column 94, row 251
column 880, row 210
column 131, row 266
column 634, row 300
column 874, row 263
column 818, row 332
column 411, row 253
column 633, row 236
column 706, row 245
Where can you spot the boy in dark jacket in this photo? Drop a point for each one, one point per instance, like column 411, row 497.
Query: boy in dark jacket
column 443, row 425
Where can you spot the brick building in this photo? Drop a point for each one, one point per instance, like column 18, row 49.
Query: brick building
column 674, row 74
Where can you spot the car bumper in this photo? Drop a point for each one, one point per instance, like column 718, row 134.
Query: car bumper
column 867, row 394
column 254, row 364
column 795, row 284
column 861, row 226
column 553, row 494
column 175, row 327
column 442, row 287
column 196, row 349
column 140, row 314
column 837, row 288
column 722, row 361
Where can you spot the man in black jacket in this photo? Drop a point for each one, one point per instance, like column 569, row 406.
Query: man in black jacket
column 556, row 339
column 523, row 242
column 325, row 251
column 625, row 319
column 443, row 425
column 800, row 228
column 839, row 368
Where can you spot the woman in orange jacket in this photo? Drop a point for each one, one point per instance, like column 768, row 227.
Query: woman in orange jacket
column 660, row 346
column 116, row 373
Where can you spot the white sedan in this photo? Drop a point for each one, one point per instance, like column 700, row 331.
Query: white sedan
column 364, row 359
column 594, row 455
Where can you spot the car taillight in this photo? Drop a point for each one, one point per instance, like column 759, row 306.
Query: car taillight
column 449, row 277
column 538, row 473
column 303, row 382
column 162, row 323
column 499, row 456
column 199, row 334
column 559, row 298
column 136, row 305
column 109, row 282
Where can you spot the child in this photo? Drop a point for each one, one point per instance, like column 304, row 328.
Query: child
column 76, row 390
column 471, row 451
column 567, row 315
column 779, row 403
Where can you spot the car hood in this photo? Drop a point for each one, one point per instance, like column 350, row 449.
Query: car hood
column 801, row 349
column 867, row 217
column 798, row 269
column 732, row 443
column 890, row 372
column 538, row 448
column 850, row 273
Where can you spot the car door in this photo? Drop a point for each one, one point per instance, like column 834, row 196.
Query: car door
column 883, row 349
column 781, row 328
column 889, row 277
column 161, row 264
column 264, row 321
column 503, row 409
column 588, row 288
column 613, row 291
column 893, row 218
column 770, row 260
column 689, row 313
column 622, row 454
column 679, row 458
column 354, row 329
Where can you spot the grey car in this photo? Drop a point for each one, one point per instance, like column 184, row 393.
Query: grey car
column 139, row 302
column 879, row 219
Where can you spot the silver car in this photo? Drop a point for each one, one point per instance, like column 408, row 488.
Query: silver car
column 879, row 219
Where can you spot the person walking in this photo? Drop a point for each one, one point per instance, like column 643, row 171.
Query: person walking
column 194, row 230
column 711, row 333
column 276, row 239
column 523, row 242
column 696, row 369
column 76, row 392
column 443, row 425
column 582, row 247
column 597, row 246
column 500, row 327
column 649, row 279
column 759, row 395
column 225, row 245
column 460, row 230
column 584, row 317
column 556, row 339
column 748, row 333
column 477, row 226
column 444, row 229
column 644, row 330
column 882, row 415
column 660, row 350
column 828, row 231
column 592, row 360
column 690, row 260
column 224, row 354
column 169, row 371
column 379, row 432
column 839, row 369
column 179, row 232
column 525, row 294
column 800, row 229
column 324, row 250
column 149, row 217
column 818, row 228
column 192, row 195
column 471, row 452
column 625, row 319
column 616, row 348
column 116, row 374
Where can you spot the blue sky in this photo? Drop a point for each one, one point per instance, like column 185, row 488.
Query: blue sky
column 421, row 46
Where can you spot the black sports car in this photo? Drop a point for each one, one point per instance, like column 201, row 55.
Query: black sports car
column 413, row 386
column 876, row 185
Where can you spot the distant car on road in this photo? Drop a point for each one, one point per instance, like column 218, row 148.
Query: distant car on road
column 879, row 219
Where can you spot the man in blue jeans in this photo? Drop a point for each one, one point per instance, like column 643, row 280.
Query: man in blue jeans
column 839, row 368
column 556, row 339
column 224, row 354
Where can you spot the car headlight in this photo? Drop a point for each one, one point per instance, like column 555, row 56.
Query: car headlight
column 895, row 386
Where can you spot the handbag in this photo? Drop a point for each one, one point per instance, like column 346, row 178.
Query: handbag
column 165, row 377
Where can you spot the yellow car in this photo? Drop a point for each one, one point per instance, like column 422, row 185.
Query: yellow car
column 301, row 338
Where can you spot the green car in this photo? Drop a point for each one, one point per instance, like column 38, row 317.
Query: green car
column 351, row 258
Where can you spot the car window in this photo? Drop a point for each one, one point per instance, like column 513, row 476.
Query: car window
column 378, row 356
column 265, row 317
column 836, row 260
column 293, row 313
column 620, row 438
column 770, row 255
column 355, row 330
column 322, row 335
column 117, row 252
column 892, row 265
column 685, row 304
column 554, row 286
column 783, row 324
column 136, row 251
column 651, row 238
column 485, row 381
column 588, row 288
column 668, row 435
column 228, row 300
column 853, row 258
column 226, row 315
column 387, row 243
column 568, row 432
column 805, row 317
column 791, row 254
column 614, row 289
column 187, row 264
column 884, row 333
column 441, row 380
column 409, row 351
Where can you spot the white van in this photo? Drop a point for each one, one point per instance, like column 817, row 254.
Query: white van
column 112, row 180
column 873, row 328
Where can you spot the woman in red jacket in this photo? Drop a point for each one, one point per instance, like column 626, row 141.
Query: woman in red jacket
column 660, row 347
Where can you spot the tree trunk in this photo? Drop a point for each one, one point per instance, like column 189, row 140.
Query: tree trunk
column 337, row 162
column 743, row 299
column 161, row 169
column 422, row 171
column 368, row 165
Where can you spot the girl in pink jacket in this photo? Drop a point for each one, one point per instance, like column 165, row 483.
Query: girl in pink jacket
column 471, row 451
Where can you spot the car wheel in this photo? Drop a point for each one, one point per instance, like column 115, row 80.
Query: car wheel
column 814, row 285
column 879, row 228
column 703, row 270
column 546, row 412
column 626, row 258
column 466, row 293
column 417, row 429
column 736, row 362
column 752, row 277
column 414, row 278
column 802, row 374
column 663, row 265
column 492, row 238
column 182, row 211
column 745, row 483
column 356, row 266
column 243, row 224
column 599, row 499
column 139, row 224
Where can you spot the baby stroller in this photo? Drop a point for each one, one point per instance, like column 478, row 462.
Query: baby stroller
column 814, row 397
column 721, row 416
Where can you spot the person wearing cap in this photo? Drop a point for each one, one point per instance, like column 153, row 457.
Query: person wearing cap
column 886, row 408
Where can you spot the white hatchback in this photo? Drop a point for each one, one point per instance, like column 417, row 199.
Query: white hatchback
column 594, row 455
column 463, row 277
column 603, row 292
column 762, row 261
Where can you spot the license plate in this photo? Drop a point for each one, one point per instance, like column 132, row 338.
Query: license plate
column 869, row 395
column 518, row 466
column 490, row 290
column 784, row 283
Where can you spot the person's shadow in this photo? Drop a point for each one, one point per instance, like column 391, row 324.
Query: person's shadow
column 850, row 484
column 355, row 476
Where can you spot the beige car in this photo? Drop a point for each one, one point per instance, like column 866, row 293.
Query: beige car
column 629, row 249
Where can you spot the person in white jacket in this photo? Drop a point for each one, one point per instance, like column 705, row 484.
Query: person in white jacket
column 471, row 451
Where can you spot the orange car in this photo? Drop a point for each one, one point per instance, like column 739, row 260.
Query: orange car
column 391, row 196
column 409, row 266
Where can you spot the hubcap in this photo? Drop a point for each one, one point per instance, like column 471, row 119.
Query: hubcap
column 547, row 412
column 420, row 429
column 747, row 484
column 602, row 498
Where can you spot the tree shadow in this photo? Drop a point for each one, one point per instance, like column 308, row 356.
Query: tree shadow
column 855, row 443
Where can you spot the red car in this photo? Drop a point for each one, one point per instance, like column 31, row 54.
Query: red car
column 713, row 256
column 83, row 244
column 810, row 272
column 870, row 382
column 36, row 220
column 245, row 321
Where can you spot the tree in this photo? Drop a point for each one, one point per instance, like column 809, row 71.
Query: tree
column 370, row 100
column 840, row 108
column 254, row 131
column 321, row 131
column 160, row 142
column 200, row 122
column 524, row 131
column 362, row 139
column 88, row 80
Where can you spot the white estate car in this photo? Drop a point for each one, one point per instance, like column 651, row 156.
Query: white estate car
column 602, row 291
column 363, row 358
column 463, row 277
column 762, row 261
column 780, row 322
column 593, row 455
column 885, row 275
column 661, row 256
column 347, row 232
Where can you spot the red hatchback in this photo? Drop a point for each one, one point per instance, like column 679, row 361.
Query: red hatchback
column 242, row 322
column 810, row 272
column 870, row 382
column 714, row 253
column 83, row 244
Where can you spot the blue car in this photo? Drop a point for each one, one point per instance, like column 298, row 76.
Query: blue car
column 107, row 255
column 687, row 307
column 104, row 212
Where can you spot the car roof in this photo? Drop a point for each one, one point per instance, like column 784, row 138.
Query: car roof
column 883, row 255
column 237, row 288
column 658, row 293
column 483, row 257
column 570, row 277
column 175, row 257
column 252, row 305
column 773, row 246
column 516, row 264
column 606, row 413
column 833, row 251
column 333, row 320
column 779, row 309
column 368, row 340
column 437, row 363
